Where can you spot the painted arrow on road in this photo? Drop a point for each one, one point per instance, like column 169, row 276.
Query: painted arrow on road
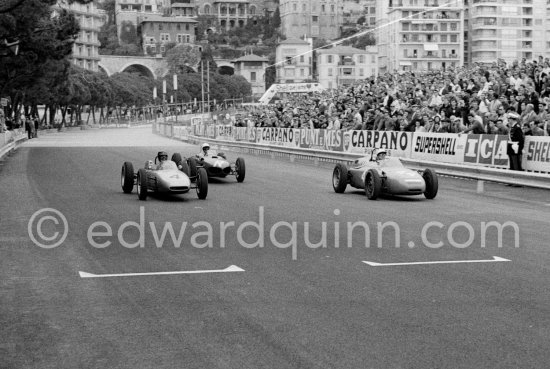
column 229, row 269
column 494, row 259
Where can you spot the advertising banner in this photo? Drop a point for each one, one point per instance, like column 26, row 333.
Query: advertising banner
column 287, row 137
column 443, row 147
column 489, row 150
column 536, row 153
column 362, row 142
column 322, row 139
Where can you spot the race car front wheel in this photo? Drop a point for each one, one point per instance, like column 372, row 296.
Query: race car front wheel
column 240, row 169
column 127, row 177
column 340, row 178
column 432, row 185
column 142, row 184
column 202, row 183
column 373, row 184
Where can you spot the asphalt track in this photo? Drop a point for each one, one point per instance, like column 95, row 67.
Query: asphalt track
column 303, row 308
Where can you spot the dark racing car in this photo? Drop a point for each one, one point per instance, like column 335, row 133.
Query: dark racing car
column 163, row 176
column 216, row 165
column 379, row 174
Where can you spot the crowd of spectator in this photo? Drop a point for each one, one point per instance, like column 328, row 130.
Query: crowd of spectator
column 477, row 99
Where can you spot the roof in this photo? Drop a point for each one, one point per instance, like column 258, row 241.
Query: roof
column 250, row 57
column 161, row 19
column 342, row 50
column 182, row 5
column 294, row 41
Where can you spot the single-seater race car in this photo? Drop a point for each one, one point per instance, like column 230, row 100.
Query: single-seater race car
column 163, row 176
column 381, row 174
column 216, row 165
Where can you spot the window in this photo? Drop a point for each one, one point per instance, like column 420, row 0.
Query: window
column 332, row 8
column 330, row 72
column 187, row 27
column 164, row 37
column 302, row 73
column 294, row 7
column 361, row 59
column 314, row 19
column 304, row 8
column 178, row 27
column 323, row 8
column 443, row 38
column 252, row 76
column 301, row 58
column 329, row 59
column 160, row 26
column 361, row 72
column 454, row 38
column 288, row 60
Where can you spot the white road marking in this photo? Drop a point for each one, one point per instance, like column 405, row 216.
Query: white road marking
column 232, row 268
column 495, row 259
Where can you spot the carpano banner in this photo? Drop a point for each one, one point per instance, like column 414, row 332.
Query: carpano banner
column 287, row 137
column 488, row 150
column 536, row 153
column 442, row 147
column 361, row 142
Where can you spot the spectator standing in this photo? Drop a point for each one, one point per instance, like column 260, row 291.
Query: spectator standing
column 516, row 142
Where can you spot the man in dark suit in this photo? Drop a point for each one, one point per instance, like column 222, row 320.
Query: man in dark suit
column 516, row 142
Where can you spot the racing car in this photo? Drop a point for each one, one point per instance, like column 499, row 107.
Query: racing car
column 382, row 174
column 216, row 165
column 163, row 176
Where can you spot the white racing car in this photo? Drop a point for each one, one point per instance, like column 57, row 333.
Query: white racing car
column 381, row 174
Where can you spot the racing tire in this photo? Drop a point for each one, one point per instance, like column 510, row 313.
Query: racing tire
column 373, row 184
column 192, row 167
column 432, row 184
column 340, row 178
column 202, row 183
column 142, row 184
column 176, row 158
column 127, row 177
column 240, row 169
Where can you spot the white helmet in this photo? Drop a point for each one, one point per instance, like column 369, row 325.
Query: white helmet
column 205, row 146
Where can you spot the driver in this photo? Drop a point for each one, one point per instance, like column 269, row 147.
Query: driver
column 381, row 155
column 205, row 147
column 162, row 156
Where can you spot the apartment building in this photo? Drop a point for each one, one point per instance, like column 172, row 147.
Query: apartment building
column 252, row 68
column 311, row 18
column 293, row 58
column 506, row 29
column 420, row 35
column 344, row 65
column 157, row 31
column 86, row 46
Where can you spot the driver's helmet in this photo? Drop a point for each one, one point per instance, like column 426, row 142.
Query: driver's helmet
column 162, row 156
column 205, row 147
column 381, row 155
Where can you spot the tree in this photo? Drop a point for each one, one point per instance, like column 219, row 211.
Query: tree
column 128, row 33
column 182, row 56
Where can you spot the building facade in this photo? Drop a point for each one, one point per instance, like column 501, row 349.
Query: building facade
column 86, row 46
column 252, row 68
column 508, row 30
column 311, row 18
column 157, row 31
column 344, row 65
column 420, row 35
column 293, row 61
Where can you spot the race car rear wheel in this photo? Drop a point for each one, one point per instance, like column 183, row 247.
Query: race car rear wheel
column 432, row 185
column 142, row 184
column 192, row 167
column 202, row 183
column 127, row 177
column 340, row 178
column 240, row 169
column 373, row 184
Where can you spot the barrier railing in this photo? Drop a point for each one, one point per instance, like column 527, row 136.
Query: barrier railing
column 480, row 157
column 9, row 140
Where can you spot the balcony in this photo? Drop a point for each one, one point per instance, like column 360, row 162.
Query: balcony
column 346, row 63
